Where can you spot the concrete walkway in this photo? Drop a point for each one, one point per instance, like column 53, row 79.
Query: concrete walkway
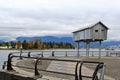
column 23, row 72
column 31, row 74
column 59, row 66
column 69, row 67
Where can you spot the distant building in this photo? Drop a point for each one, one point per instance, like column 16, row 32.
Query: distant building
column 92, row 33
column 95, row 32
column 5, row 47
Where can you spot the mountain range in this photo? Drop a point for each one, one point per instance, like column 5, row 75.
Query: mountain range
column 64, row 39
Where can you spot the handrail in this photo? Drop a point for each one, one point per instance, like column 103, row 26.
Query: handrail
column 100, row 65
column 80, row 71
column 66, row 52
column 91, row 52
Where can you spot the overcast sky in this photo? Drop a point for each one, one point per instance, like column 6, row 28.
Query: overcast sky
column 56, row 17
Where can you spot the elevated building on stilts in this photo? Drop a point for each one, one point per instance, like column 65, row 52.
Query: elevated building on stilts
column 92, row 33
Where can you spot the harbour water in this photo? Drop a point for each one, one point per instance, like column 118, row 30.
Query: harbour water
column 4, row 56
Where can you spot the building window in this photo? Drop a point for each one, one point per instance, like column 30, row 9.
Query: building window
column 96, row 30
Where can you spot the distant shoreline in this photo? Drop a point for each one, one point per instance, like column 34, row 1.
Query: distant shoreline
column 35, row 49
column 82, row 49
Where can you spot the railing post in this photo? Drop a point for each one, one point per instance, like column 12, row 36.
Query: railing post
column 53, row 53
column 76, row 71
column 9, row 65
column 102, row 72
column 107, row 53
column 66, row 54
column 3, row 66
column 42, row 54
column 80, row 70
column 100, row 49
column 92, row 54
column 78, row 55
column 119, row 53
column 110, row 53
column 36, row 70
column 99, row 66
column 116, row 54
column 21, row 53
column 29, row 54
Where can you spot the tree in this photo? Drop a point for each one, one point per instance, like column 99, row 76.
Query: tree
column 24, row 45
column 7, row 44
column 18, row 44
column 35, row 45
column 0, row 44
column 3, row 44
column 13, row 44
column 55, row 46
column 61, row 45
column 30, row 44
column 40, row 44
column 44, row 46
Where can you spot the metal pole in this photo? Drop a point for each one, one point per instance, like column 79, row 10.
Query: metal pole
column 102, row 72
column 99, row 49
column 66, row 54
column 78, row 50
column 87, row 48
column 20, row 53
column 29, row 54
column 53, row 53
column 9, row 64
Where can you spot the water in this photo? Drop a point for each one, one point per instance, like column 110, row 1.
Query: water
column 4, row 56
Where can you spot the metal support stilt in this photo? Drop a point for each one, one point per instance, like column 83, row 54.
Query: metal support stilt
column 78, row 49
column 87, row 48
column 99, row 49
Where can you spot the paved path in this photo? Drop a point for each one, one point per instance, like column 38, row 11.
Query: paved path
column 31, row 74
column 59, row 66
column 69, row 67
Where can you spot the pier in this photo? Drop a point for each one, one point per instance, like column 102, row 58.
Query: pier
column 58, row 68
column 36, row 65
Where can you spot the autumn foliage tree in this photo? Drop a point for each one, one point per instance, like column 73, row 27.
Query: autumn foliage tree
column 55, row 46
column 38, row 44
column 30, row 44
column 18, row 44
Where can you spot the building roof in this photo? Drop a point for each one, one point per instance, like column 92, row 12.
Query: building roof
column 91, row 26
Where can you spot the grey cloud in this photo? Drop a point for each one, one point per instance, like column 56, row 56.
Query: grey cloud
column 56, row 19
